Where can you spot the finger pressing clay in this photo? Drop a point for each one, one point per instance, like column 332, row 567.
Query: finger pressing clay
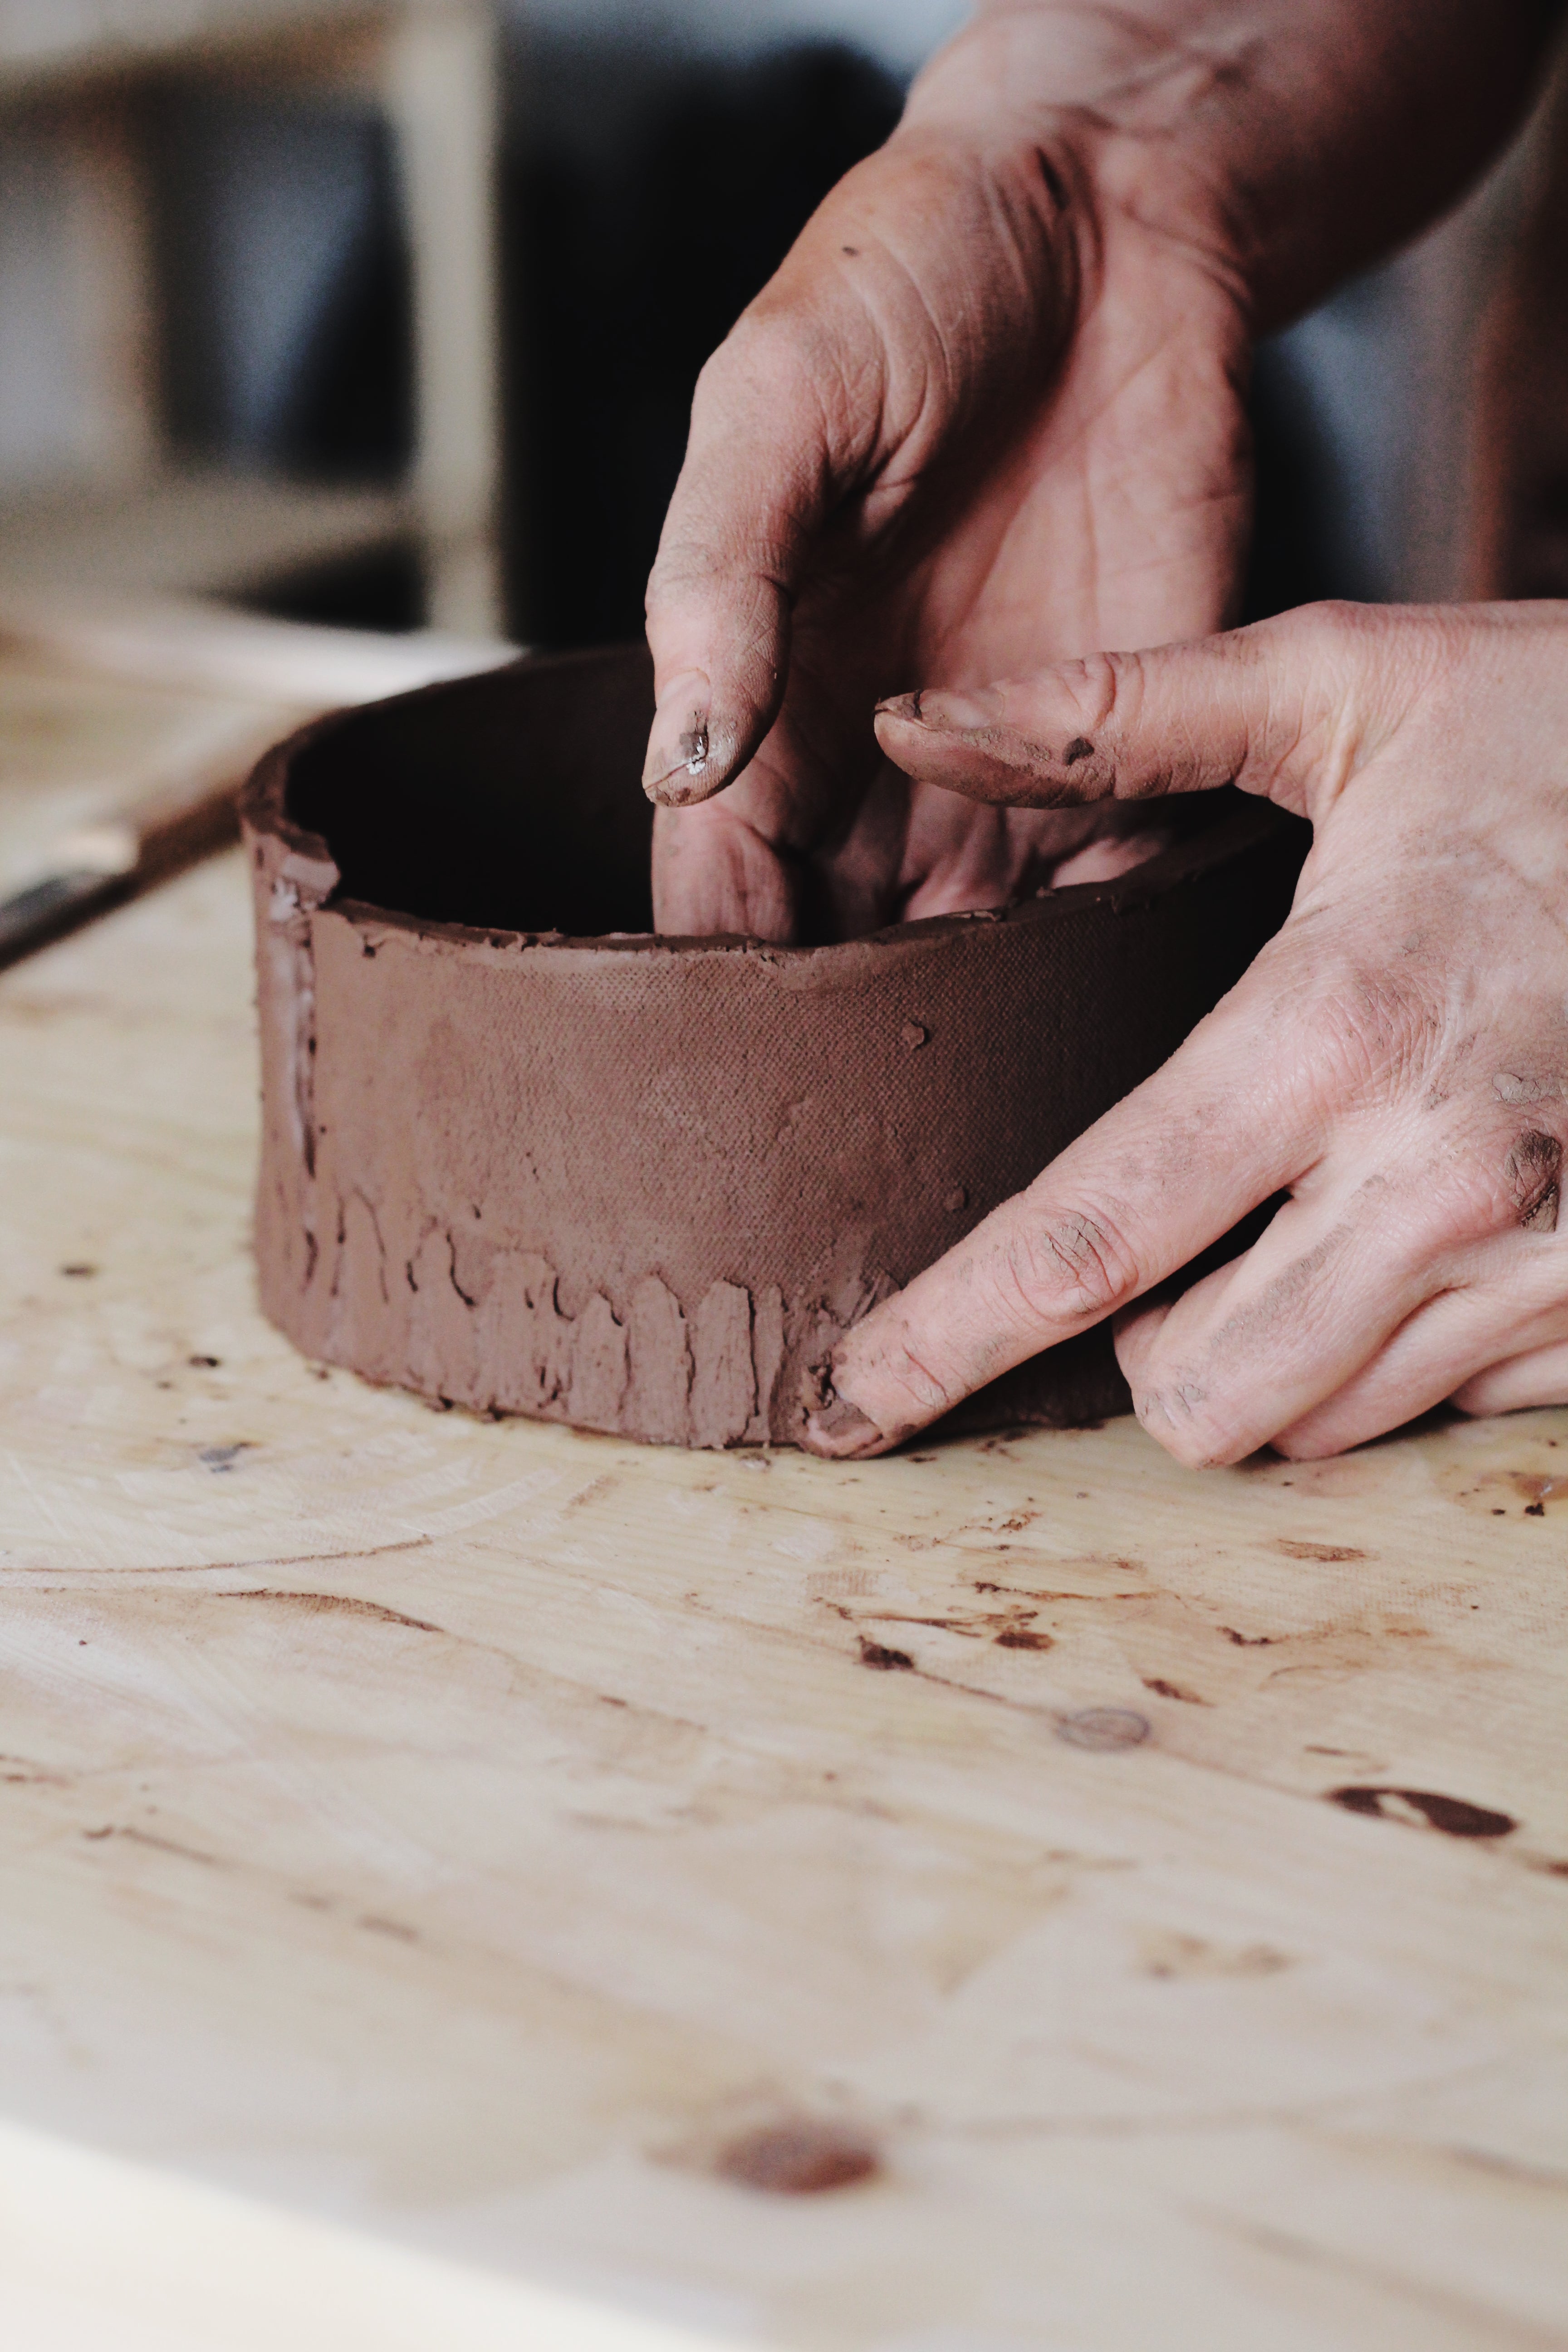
column 520, row 1154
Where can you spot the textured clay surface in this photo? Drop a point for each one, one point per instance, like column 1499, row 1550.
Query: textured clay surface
column 638, row 1184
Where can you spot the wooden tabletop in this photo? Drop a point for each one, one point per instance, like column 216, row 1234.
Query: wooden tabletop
column 469, row 1883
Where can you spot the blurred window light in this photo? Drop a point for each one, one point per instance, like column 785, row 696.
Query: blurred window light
column 900, row 33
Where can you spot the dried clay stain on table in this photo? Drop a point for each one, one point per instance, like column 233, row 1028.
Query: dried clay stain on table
column 537, row 1847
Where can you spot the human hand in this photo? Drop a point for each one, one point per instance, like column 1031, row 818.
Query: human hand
column 989, row 414
column 986, row 416
column 1396, row 1060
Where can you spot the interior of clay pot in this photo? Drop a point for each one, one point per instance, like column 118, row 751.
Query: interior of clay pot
column 513, row 802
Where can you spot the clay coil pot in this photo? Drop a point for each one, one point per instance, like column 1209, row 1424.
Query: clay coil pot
column 515, row 1160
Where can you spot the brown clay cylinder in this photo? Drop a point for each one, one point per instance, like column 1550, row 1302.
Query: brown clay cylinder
column 643, row 1184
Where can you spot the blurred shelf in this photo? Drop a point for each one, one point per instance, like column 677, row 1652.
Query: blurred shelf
column 44, row 42
column 191, row 533
column 428, row 66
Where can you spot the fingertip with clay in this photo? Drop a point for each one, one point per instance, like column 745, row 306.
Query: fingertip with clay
column 685, row 761
column 969, row 740
column 839, row 1431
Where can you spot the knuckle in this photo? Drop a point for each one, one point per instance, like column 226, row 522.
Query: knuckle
column 1073, row 1266
column 1372, row 660
column 1336, row 625
column 1372, row 1038
column 769, row 371
column 1100, row 687
column 1342, row 634
column 1533, row 1177
column 1495, row 1185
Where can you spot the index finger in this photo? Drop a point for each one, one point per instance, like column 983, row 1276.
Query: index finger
column 1230, row 1120
column 751, row 497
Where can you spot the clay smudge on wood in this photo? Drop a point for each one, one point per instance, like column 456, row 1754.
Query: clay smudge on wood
column 884, row 1660
column 1163, row 1689
column 798, row 2159
column 1455, row 1816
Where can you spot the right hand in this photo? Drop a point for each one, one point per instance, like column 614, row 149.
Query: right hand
column 988, row 415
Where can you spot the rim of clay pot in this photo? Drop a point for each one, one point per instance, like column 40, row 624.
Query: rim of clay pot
column 312, row 865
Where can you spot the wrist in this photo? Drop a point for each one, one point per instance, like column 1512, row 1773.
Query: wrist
column 1114, row 124
column 1286, row 145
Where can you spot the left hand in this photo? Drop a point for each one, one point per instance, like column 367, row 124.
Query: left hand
column 1396, row 1060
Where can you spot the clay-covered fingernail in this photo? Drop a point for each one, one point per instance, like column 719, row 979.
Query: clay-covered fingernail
column 841, row 1428
column 678, row 749
column 960, row 711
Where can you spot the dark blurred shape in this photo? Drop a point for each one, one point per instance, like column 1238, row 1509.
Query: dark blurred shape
column 625, row 272
column 373, row 588
column 286, row 335
column 1517, row 542
column 1292, row 558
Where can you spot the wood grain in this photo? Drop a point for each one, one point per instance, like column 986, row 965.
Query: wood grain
column 905, row 1906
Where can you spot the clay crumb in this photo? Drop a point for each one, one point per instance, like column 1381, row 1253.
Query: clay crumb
column 883, row 1660
column 801, row 2158
column 1511, row 1087
column 914, row 1037
column 694, row 747
column 955, row 1200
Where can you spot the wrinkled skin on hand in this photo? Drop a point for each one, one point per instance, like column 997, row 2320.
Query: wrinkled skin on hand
column 989, row 413
column 1395, row 1061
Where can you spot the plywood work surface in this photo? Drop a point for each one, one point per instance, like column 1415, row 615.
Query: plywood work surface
column 458, row 1876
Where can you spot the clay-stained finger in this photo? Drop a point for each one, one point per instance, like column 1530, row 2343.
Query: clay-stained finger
column 1395, row 1274
column 1503, row 1336
column 758, row 481
column 1285, row 708
column 714, row 873
column 1230, row 1120
column 1539, row 1377
column 1257, row 1346
column 1363, row 1305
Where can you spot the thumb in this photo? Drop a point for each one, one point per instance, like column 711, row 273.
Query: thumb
column 1287, row 709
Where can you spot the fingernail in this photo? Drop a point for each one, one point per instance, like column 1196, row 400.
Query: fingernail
column 841, row 1428
column 678, row 747
column 962, row 711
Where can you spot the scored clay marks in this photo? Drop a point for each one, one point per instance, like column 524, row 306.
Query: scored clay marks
column 491, row 1334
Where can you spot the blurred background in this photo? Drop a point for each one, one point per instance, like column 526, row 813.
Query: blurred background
column 390, row 316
